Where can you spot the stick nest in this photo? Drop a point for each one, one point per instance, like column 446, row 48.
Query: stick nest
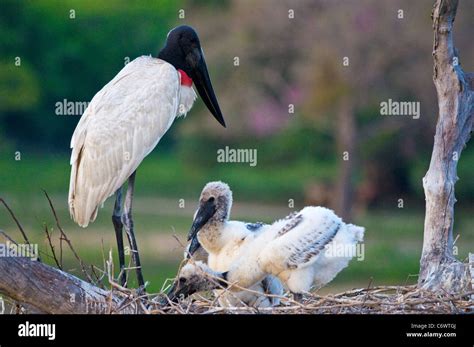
column 376, row 300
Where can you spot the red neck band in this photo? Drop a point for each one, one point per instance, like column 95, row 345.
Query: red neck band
column 185, row 79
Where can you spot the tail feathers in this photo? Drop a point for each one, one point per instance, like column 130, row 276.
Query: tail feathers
column 86, row 192
column 357, row 231
column 82, row 215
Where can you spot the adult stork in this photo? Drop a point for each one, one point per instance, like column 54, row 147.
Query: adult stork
column 124, row 122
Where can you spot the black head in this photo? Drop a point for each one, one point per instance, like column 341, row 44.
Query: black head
column 183, row 51
column 182, row 42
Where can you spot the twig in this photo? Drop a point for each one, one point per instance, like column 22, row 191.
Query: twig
column 22, row 231
column 8, row 237
column 63, row 234
column 179, row 241
column 48, row 236
column 98, row 281
column 17, row 222
column 61, row 239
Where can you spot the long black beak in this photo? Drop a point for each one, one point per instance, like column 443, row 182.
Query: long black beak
column 202, row 81
column 193, row 247
column 205, row 212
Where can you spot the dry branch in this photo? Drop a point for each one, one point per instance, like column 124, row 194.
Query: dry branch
column 439, row 269
column 51, row 290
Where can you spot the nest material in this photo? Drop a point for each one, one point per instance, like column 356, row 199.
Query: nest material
column 377, row 300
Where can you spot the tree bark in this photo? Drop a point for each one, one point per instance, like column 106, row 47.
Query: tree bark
column 439, row 269
column 50, row 290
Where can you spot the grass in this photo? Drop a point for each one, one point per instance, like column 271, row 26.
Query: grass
column 162, row 175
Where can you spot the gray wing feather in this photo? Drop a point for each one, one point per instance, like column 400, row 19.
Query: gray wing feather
column 311, row 244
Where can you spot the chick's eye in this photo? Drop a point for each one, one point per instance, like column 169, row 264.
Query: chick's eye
column 211, row 199
column 182, row 280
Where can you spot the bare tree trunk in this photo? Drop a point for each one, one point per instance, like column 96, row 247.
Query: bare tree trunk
column 346, row 143
column 51, row 290
column 439, row 270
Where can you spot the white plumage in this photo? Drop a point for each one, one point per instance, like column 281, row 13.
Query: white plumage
column 122, row 124
column 296, row 249
column 125, row 121
column 257, row 297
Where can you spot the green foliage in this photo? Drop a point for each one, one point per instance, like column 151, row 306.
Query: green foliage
column 464, row 187
column 19, row 88
column 70, row 49
column 67, row 55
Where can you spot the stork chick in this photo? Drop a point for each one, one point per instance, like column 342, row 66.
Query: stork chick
column 196, row 277
column 192, row 274
column 300, row 249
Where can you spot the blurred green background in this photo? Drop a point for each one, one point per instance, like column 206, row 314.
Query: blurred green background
column 264, row 63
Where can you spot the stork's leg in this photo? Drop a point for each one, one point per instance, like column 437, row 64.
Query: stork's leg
column 128, row 224
column 118, row 226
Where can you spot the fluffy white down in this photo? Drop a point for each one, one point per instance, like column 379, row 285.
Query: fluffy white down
column 269, row 285
column 194, row 272
column 292, row 249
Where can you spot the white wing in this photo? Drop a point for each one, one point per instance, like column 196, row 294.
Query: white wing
column 301, row 239
column 122, row 124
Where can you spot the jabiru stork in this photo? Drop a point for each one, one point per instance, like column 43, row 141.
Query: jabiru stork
column 125, row 121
